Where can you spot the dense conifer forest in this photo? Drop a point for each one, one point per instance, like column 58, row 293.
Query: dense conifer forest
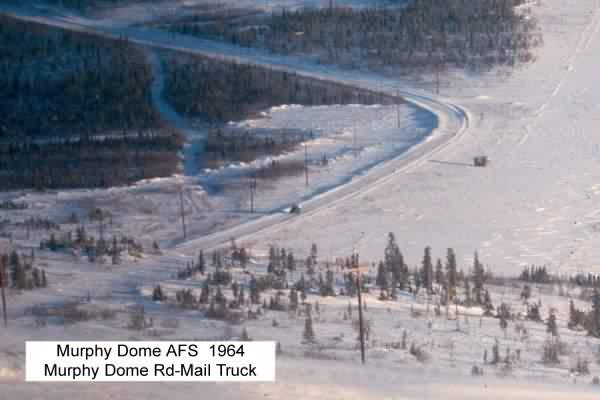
column 424, row 34
column 76, row 111
column 221, row 92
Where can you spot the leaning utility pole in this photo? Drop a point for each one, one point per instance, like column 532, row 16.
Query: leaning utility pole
column 354, row 145
column 397, row 108
column 2, row 285
column 437, row 79
column 101, row 226
column 182, row 211
column 306, row 160
column 252, row 192
column 356, row 267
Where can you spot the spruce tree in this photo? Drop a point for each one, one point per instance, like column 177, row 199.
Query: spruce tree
column 115, row 252
column 478, row 279
column 254, row 293
column 201, row 263
column 551, row 325
column 293, row 299
column 14, row 264
column 242, row 297
column 394, row 263
column 204, row 293
column 290, row 263
column 37, row 279
column 488, row 306
column 574, row 316
column 313, row 255
column 381, row 278
column 309, row 334
column 451, row 273
column 468, row 299
column 439, row 273
column 157, row 294
column 495, row 353
column 593, row 327
column 427, row 271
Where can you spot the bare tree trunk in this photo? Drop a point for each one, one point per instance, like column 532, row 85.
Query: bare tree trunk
column 2, row 285
column 306, row 161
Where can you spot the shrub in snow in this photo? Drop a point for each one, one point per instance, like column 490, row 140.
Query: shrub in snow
column 551, row 351
column 419, row 352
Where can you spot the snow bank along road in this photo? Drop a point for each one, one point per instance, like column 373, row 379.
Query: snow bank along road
column 453, row 120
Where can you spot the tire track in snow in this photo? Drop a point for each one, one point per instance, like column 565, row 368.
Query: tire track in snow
column 585, row 40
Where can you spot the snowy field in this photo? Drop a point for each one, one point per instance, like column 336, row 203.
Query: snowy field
column 534, row 204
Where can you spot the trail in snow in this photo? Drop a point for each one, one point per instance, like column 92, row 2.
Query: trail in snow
column 195, row 139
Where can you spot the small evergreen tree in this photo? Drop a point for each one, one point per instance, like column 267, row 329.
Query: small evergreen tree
column 427, row 270
column 115, row 252
column 478, row 279
column 593, row 320
column 488, row 306
column 575, row 316
column 551, row 325
column 157, row 294
column 201, row 263
column 439, row 273
column 451, row 273
column 309, row 334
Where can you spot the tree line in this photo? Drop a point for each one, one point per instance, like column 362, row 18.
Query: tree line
column 423, row 34
column 225, row 91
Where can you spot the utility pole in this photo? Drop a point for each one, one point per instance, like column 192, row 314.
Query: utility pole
column 306, row 160
column 354, row 141
column 360, row 310
column 182, row 211
column 437, row 78
column 397, row 108
column 101, row 226
column 2, row 285
column 356, row 267
column 252, row 192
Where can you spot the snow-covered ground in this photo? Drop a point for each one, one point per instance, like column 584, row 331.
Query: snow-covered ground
column 534, row 203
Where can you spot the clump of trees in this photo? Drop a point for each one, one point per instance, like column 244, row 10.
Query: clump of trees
column 17, row 271
column 12, row 205
column 223, row 91
column 423, row 34
column 589, row 321
column 224, row 146
column 95, row 249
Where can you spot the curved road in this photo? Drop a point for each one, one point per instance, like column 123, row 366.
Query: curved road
column 453, row 120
